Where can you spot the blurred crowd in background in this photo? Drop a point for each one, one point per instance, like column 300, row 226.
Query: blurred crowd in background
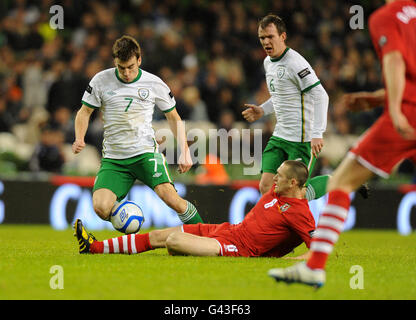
column 207, row 52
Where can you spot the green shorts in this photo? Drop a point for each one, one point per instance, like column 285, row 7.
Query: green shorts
column 119, row 175
column 279, row 150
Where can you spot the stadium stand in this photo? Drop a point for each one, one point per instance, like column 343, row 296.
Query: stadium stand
column 206, row 51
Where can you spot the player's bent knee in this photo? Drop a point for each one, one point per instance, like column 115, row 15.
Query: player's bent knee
column 173, row 242
column 103, row 208
column 103, row 201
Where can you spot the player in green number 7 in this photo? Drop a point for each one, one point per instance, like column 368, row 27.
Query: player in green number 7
column 127, row 95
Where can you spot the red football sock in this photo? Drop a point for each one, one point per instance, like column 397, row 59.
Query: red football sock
column 130, row 244
column 97, row 247
column 330, row 225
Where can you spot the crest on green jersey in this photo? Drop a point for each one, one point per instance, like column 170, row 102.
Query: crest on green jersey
column 280, row 72
column 143, row 93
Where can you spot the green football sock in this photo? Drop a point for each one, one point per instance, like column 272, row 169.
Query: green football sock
column 316, row 187
column 191, row 215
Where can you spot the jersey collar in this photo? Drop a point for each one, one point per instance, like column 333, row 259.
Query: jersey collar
column 135, row 79
column 279, row 57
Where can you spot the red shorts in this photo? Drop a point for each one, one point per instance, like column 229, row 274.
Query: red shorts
column 220, row 232
column 381, row 147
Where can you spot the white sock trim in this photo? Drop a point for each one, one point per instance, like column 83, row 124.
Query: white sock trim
column 321, row 246
column 336, row 211
column 115, row 245
column 334, row 223
column 326, row 234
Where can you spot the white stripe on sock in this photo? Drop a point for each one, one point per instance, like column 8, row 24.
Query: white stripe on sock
column 115, row 245
column 133, row 243
column 321, row 246
column 189, row 213
column 330, row 222
column 106, row 247
column 125, row 246
column 336, row 211
column 187, row 217
column 326, row 234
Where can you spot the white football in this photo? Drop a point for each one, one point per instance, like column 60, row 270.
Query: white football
column 127, row 218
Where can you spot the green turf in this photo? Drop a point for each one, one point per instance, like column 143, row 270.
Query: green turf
column 28, row 252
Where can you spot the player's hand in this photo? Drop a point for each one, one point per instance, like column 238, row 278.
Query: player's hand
column 304, row 256
column 403, row 127
column 363, row 100
column 252, row 113
column 316, row 145
column 77, row 146
column 357, row 101
column 185, row 161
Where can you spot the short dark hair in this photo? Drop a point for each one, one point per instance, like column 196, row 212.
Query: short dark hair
column 276, row 20
column 297, row 170
column 126, row 47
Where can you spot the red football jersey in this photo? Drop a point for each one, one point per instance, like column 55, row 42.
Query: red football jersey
column 275, row 226
column 393, row 27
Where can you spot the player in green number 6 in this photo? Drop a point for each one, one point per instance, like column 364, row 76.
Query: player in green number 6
column 127, row 95
column 300, row 104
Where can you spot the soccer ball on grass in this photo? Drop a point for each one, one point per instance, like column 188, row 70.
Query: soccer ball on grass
column 127, row 218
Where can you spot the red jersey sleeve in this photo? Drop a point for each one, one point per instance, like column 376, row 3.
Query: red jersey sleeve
column 302, row 222
column 385, row 32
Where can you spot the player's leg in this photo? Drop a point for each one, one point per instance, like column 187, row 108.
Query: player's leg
column 186, row 211
column 317, row 186
column 273, row 156
column 180, row 243
column 157, row 238
column 152, row 170
column 134, row 243
column 103, row 201
column 112, row 184
column 347, row 178
column 377, row 152
column 266, row 182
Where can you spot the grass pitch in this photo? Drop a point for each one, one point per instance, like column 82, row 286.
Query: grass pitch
column 28, row 253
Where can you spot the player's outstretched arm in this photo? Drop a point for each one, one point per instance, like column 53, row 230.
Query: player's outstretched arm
column 178, row 128
column 81, row 126
column 363, row 100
